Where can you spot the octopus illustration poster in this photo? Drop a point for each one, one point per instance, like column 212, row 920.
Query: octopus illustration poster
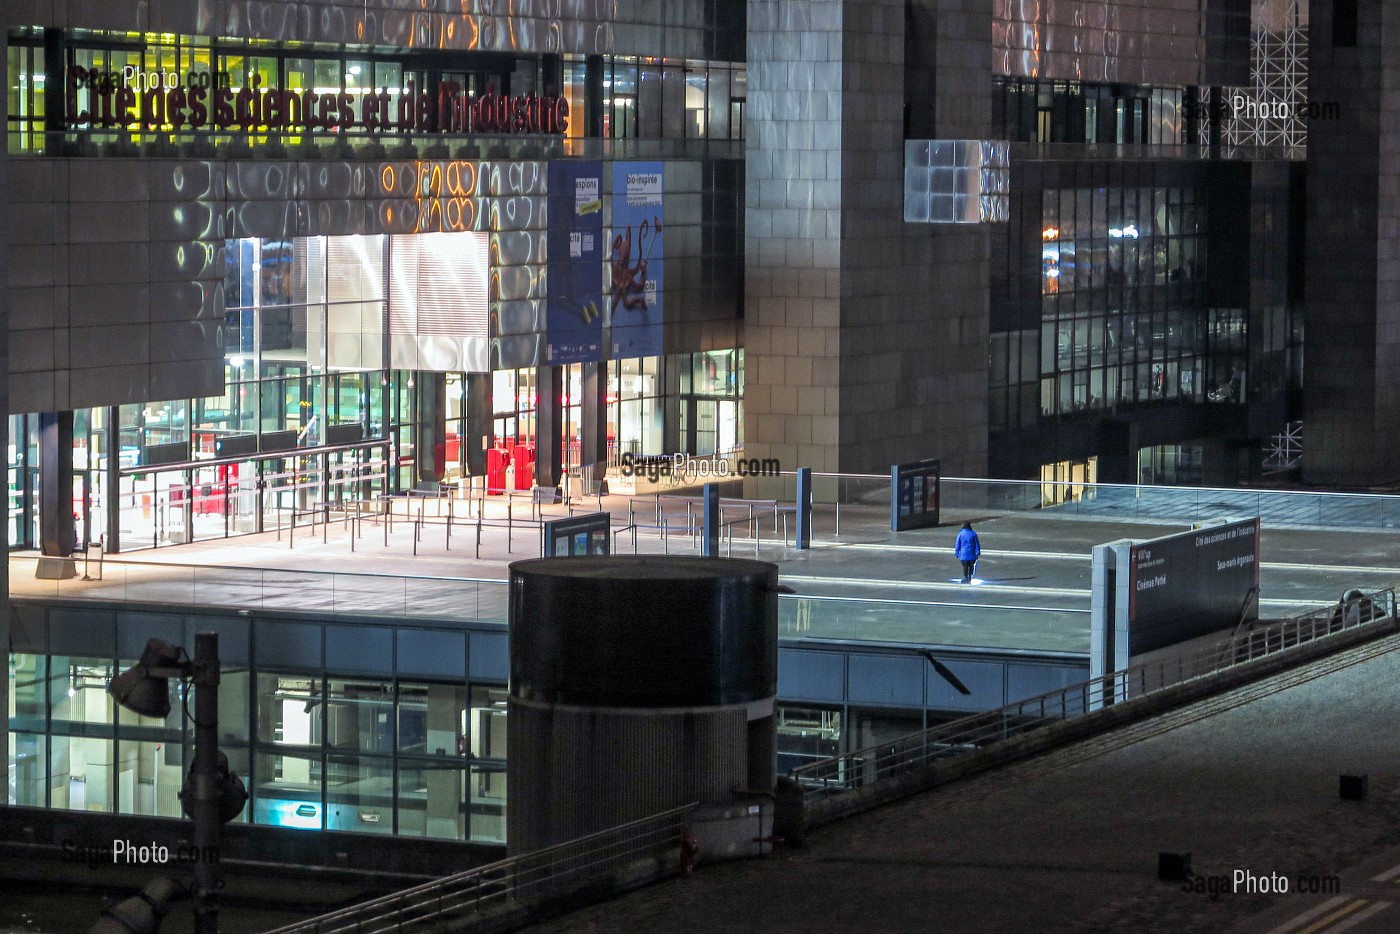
column 635, row 259
column 575, row 262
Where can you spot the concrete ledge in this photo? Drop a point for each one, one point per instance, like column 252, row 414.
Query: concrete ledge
column 733, row 831
column 55, row 569
column 921, row 778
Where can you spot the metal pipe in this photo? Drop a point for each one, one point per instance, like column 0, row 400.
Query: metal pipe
column 204, row 808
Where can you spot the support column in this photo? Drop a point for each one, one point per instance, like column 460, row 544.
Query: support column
column 552, row 72
column 444, row 791
column 56, row 483
column 479, row 426
column 549, row 425
column 671, row 440
column 825, row 194
column 431, row 415
column 593, row 96
column 112, row 483
column 1351, row 333
column 55, row 81
column 5, row 411
column 593, row 415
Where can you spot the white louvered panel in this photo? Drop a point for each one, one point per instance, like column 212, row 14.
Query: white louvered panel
column 403, row 282
column 439, row 285
column 452, row 285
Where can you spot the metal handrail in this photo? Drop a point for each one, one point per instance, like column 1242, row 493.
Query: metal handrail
column 547, row 870
column 312, row 572
column 1137, row 487
column 881, row 760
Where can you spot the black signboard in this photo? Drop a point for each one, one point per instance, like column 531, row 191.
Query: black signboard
column 345, row 433
column 914, row 490
column 285, row 440
column 1191, row 584
column 239, row 445
column 578, row 536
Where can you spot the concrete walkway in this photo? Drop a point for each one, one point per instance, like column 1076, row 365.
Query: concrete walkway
column 868, row 583
column 1069, row 841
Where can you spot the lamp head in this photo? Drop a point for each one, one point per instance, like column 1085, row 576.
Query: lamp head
column 138, row 690
column 140, row 913
column 233, row 794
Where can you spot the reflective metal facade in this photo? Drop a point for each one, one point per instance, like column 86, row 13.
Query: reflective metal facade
column 672, row 28
column 956, row 181
column 120, row 262
column 116, row 290
column 1154, row 42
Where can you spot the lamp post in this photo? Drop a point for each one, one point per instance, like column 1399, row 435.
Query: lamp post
column 203, row 805
column 211, row 794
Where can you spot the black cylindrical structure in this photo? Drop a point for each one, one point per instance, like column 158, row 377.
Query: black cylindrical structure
column 643, row 631
column 638, row 683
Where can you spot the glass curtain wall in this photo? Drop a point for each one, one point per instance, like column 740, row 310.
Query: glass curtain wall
column 654, row 98
column 302, row 418
column 364, row 755
column 636, row 407
column 1038, row 111
column 1123, row 288
column 711, row 403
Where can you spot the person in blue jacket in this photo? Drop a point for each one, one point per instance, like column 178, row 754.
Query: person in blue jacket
column 968, row 549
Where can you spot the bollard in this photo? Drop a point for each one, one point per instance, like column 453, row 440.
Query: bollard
column 1354, row 787
column 804, row 509
column 712, row 520
column 1173, row 865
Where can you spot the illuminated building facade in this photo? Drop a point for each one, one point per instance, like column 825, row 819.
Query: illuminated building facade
column 263, row 256
column 306, row 259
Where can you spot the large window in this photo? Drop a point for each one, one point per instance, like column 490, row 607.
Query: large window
column 1122, row 284
column 1042, row 111
column 711, row 404
column 636, row 406
column 652, row 98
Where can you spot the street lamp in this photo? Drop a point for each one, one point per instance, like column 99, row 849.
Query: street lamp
column 211, row 794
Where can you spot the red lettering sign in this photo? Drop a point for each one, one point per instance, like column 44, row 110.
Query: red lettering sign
column 106, row 100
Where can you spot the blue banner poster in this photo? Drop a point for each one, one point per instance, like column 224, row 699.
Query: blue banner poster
column 635, row 263
column 575, row 308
